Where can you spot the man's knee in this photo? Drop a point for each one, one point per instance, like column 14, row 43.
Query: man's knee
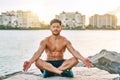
column 41, row 63
column 75, row 60
column 38, row 62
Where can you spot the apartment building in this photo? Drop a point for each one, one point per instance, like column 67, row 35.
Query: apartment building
column 27, row 19
column 19, row 19
column 106, row 21
column 8, row 19
column 72, row 19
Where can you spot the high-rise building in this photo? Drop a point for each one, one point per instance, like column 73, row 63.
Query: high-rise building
column 106, row 21
column 27, row 19
column 19, row 19
column 8, row 18
column 72, row 19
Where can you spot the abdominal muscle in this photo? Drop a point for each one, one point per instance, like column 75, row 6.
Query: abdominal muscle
column 54, row 56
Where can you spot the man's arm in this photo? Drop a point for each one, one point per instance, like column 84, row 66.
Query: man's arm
column 35, row 57
column 77, row 55
column 38, row 53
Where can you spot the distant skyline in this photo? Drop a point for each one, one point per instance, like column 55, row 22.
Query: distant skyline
column 47, row 9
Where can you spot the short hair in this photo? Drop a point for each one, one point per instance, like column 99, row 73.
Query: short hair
column 55, row 21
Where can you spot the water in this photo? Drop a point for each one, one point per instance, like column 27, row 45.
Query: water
column 16, row 46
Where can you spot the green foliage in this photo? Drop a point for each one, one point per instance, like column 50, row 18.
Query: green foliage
column 44, row 26
column 73, row 28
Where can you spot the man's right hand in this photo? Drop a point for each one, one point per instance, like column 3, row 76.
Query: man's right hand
column 26, row 65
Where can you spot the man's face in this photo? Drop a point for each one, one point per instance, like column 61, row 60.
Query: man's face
column 55, row 29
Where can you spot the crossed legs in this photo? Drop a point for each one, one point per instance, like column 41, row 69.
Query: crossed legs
column 67, row 64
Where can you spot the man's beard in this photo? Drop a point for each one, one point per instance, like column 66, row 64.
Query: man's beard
column 55, row 34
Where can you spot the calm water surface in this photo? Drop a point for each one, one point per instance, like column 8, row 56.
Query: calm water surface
column 16, row 46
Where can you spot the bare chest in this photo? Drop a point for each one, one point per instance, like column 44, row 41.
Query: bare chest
column 56, row 45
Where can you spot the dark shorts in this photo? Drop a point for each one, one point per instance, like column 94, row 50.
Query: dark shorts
column 55, row 63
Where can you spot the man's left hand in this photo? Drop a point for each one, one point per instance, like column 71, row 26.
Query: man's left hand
column 88, row 63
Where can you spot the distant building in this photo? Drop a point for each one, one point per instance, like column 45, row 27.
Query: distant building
column 8, row 19
column 106, row 21
column 72, row 19
column 19, row 19
column 27, row 19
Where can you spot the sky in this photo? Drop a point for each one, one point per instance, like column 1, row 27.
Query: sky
column 47, row 9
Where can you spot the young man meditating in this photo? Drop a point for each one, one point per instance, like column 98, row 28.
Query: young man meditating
column 55, row 46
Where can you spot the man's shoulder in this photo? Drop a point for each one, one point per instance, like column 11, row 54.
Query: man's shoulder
column 64, row 38
column 45, row 39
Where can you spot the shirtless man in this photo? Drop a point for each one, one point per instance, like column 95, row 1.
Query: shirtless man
column 55, row 46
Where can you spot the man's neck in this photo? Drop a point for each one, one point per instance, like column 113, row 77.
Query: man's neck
column 55, row 36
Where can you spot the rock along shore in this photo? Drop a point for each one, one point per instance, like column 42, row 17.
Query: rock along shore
column 80, row 73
